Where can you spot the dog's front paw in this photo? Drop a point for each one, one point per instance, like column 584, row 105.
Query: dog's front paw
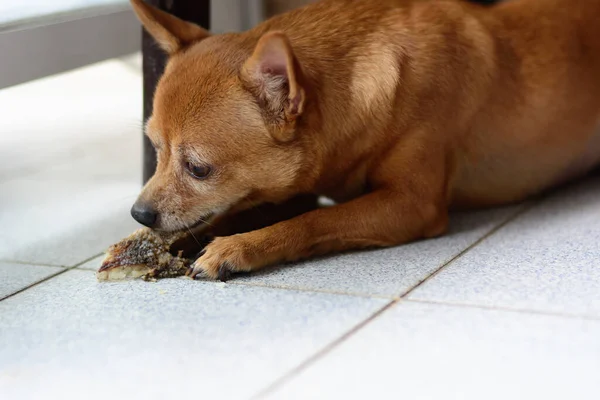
column 221, row 258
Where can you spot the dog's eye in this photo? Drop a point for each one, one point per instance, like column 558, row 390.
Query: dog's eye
column 198, row 171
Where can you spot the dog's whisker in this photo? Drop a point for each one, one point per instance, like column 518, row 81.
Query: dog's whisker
column 190, row 232
column 194, row 236
column 206, row 222
column 256, row 206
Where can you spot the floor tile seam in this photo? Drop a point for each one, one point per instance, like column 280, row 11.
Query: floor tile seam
column 526, row 311
column 80, row 263
column 52, row 276
column 280, row 382
column 313, row 290
column 519, row 213
column 365, row 295
column 33, row 264
column 509, row 219
column 287, row 288
column 323, row 352
column 37, row 264
column 57, row 273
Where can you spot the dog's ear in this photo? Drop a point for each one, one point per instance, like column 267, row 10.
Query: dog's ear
column 171, row 33
column 274, row 76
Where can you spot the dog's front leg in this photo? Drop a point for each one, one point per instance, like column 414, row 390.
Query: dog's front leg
column 413, row 207
column 249, row 219
column 263, row 215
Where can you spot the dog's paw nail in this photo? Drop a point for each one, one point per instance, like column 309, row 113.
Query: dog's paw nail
column 196, row 273
column 224, row 272
column 198, row 276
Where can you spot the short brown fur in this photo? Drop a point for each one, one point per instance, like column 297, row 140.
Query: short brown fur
column 399, row 110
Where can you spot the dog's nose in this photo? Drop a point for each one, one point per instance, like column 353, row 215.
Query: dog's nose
column 144, row 214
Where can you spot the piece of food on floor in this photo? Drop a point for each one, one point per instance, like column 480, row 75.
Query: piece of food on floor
column 144, row 254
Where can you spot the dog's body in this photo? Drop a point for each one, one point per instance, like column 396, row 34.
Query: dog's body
column 399, row 110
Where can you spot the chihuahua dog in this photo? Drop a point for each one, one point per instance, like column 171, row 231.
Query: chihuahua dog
column 397, row 110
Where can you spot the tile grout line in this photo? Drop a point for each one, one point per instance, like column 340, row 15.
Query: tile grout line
column 370, row 296
column 34, row 284
column 476, row 243
column 283, row 287
column 412, row 300
column 396, row 297
column 34, row 264
column 79, row 264
column 308, row 290
column 504, row 309
column 321, row 353
column 331, row 346
column 64, row 269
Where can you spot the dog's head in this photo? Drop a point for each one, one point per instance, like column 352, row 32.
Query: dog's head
column 226, row 123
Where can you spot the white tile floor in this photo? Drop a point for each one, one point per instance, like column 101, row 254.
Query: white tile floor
column 505, row 306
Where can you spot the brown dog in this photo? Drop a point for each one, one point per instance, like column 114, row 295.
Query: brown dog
column 398, row 110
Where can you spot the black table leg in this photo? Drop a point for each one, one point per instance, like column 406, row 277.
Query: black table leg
column 154, row 60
